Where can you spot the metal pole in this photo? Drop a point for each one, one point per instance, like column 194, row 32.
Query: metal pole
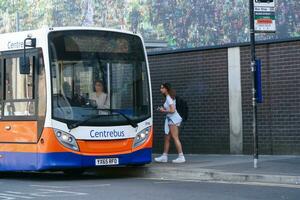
column 17, row 21
column 253, row 70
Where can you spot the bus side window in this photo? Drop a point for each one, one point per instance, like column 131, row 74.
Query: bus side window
column 41, row 88
column 18, row 92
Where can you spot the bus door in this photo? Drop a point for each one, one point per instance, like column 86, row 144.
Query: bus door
column 20, row 112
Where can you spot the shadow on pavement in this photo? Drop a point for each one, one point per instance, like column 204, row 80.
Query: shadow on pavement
column 89, row 174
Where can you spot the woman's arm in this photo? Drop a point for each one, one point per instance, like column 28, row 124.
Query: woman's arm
column 172, row 109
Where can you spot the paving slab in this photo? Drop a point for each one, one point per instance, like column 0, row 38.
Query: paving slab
column 271, row 169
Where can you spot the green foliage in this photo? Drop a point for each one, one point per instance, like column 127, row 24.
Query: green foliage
column 181, row 23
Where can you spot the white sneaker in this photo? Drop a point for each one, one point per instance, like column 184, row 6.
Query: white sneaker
column 161, row 159
column 180, row 159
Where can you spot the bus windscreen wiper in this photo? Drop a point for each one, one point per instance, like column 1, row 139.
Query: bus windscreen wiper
column 129, row 120
column 79, row 123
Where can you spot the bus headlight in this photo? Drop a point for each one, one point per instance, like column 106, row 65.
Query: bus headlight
column 66, row 140
column 141, row 137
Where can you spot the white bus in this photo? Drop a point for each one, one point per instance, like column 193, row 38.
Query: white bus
column 74, row 98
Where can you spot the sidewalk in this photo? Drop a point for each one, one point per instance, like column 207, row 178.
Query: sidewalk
column 232, row 168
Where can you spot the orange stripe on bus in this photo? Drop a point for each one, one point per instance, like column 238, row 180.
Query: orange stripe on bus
column 18, row 131
column 49, row 144
column 105, row 146
column 24, row 148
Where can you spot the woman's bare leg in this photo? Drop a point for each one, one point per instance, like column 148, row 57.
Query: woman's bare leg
column 164, row 157
column 167, row 143
column 175, row 135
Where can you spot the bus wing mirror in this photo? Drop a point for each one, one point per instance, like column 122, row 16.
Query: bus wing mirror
column 24, row 61
column 24, row 65
column 30, row 42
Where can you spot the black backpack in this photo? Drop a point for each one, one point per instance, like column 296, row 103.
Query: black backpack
column 182, row 108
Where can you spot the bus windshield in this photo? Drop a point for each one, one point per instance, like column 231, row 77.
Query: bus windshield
column 98, row 78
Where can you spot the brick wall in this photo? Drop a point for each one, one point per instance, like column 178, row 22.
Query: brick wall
column 279, row 115
column 201, row 77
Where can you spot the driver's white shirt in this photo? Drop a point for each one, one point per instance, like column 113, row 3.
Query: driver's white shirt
column 102, row 100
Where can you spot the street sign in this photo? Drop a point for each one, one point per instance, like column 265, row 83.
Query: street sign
column 264, row 16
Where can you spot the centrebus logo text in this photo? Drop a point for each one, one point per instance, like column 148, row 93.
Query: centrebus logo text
column 107, row 134
column 15, row 45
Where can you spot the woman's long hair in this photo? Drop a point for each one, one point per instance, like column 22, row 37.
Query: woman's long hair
column 170, row 90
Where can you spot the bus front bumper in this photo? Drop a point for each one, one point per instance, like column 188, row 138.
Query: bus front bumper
column 52, row 161
column 16, row 161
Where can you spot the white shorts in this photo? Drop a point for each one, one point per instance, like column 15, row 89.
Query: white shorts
column 169, row 122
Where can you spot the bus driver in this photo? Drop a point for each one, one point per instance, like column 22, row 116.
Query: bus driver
column 99, row 96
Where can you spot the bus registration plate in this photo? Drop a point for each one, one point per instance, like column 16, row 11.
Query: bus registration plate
column 107, row 161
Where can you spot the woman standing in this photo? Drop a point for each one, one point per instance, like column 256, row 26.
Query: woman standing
column 172, row 122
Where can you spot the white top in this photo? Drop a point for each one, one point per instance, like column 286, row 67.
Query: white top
column 103, row 100
column 169, row 101
column 174, row 117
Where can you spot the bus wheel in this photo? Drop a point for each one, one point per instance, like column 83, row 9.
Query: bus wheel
column 72, row 172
